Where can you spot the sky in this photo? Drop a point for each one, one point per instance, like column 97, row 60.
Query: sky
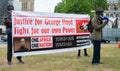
column 45, row 5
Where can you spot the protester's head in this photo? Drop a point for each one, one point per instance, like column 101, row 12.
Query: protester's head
column 22, row 41
column 10, row 8
column 99, row 13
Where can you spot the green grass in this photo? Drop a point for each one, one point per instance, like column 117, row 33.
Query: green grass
column 67, row 61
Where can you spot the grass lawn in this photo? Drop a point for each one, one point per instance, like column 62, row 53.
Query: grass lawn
column 67, row 61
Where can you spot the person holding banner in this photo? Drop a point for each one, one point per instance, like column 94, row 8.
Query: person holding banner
column 98, row 23
column 8, row 22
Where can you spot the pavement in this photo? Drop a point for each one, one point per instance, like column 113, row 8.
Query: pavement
column 3, row 43
column 113, row 42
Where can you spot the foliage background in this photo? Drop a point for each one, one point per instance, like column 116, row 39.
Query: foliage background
column 80, row 6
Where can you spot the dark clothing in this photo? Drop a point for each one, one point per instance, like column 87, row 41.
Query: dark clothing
column 8, row 26
column 96, row 52
column 85, row 52
column 9, row 48
column 96, row 37
column 9, row 38
column 22, row 49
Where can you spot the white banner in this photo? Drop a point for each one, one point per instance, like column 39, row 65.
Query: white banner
column 41, row 33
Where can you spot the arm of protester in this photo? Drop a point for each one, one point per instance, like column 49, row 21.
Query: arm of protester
column 7, row 21
column 96, row 25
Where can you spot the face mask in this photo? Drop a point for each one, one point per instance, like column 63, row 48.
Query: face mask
column 100, row 16
column 10, row 11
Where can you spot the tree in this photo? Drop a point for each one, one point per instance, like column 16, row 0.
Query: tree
column 119, row 4
column 74, row 6
column 100, row 3
column 80, row 6
column 59, row 7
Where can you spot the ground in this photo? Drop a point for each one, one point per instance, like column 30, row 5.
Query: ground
column 67, row 61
